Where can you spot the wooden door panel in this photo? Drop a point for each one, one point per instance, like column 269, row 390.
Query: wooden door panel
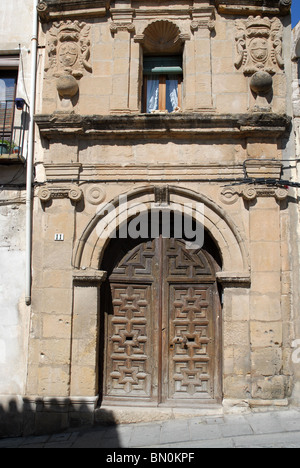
column 129, row 351
column 190, row 353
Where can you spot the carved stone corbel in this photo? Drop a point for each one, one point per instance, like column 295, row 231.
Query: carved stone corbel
column 230, row 195
column 115, row 27
column 73, row 192
column 203, row 18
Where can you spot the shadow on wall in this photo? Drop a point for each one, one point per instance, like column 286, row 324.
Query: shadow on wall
column 41, row 417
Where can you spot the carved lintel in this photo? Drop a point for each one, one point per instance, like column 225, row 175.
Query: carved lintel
column 230, row 195
column 73, row 192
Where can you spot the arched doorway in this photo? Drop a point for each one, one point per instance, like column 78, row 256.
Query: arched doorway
column 161, row 319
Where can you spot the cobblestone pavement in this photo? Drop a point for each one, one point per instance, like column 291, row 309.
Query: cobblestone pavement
column 276, row 429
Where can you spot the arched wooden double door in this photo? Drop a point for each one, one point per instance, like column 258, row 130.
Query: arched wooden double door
column 162, row 340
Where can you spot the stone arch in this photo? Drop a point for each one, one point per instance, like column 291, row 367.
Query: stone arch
column 226, row 235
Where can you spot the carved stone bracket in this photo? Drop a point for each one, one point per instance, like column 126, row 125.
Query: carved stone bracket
column 115, row 27
column 229, row 195
column 73, row 192
column 203, row 18
column 122, row 20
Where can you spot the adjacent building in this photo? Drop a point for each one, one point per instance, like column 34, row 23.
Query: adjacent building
column 16, row 19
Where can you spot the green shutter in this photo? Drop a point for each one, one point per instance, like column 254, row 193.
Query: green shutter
column 163, row 65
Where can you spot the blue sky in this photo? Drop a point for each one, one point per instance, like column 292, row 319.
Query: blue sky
column 295, row 12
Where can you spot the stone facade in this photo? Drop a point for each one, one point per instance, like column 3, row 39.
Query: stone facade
column 224, row 148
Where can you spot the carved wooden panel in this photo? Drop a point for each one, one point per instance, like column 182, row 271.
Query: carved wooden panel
column 183, row 262
column 138, row 263
column 129, row 356
column 190, row 359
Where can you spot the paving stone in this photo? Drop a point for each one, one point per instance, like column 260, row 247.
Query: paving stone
column 205, row 431
column 143, row 436
column 264, row 423
column 174, row 430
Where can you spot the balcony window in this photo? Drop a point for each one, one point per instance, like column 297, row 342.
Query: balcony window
column 8, row 81
column 13, row 118
column 162, row 84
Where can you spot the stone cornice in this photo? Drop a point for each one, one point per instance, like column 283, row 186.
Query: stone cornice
column 50, row 10
column 254, row 7
column 174, row 126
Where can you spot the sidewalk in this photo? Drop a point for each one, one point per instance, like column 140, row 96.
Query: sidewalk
column 276, row 429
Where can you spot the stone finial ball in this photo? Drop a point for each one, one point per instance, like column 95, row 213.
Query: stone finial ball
column 261, row 83
column 67, row 86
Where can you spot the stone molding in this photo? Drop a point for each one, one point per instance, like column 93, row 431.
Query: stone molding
column 50, row 10
column 47, row 193
column 233, row 279
column 89, row 276
column 250, row 7
column 61, row 171
column 266, row 125
column 58, row 9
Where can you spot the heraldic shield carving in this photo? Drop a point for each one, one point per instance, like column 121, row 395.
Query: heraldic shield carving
column 68, row 55
column 259, row 45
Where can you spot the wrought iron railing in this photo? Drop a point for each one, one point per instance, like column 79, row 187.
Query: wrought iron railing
column 14, row 122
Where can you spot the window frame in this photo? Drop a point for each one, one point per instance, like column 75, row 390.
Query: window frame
column 160, row 68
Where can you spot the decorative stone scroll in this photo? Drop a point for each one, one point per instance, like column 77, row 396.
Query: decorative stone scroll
column 74, row 193
column 68, row 55
column 230, row 195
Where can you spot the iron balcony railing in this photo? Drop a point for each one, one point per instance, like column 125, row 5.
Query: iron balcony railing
column 14, row 123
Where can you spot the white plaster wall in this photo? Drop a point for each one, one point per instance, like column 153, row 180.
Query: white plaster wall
column 16, row 20
column 13, row 314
